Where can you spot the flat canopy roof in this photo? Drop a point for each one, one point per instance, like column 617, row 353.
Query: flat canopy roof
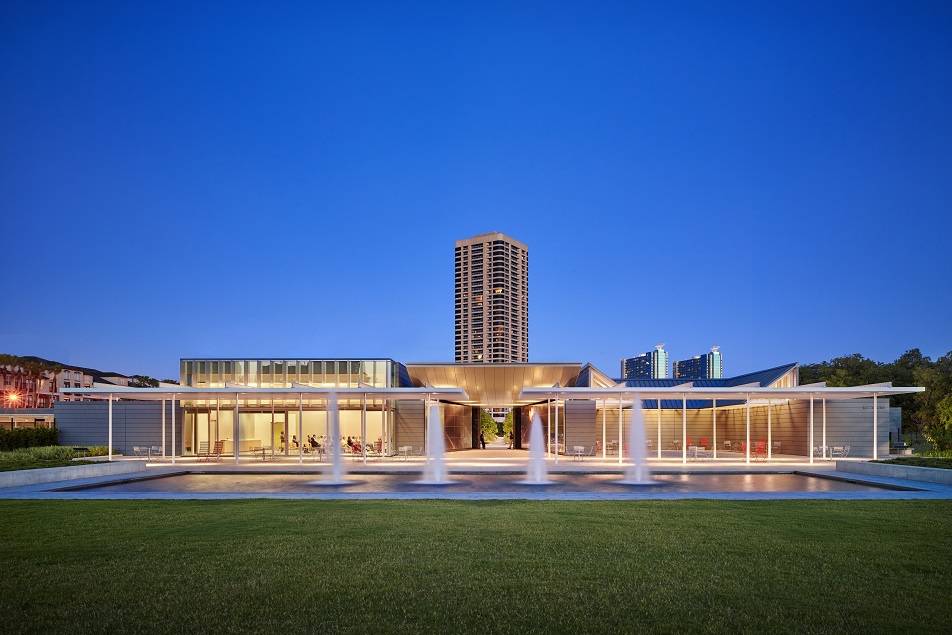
column 494, row 385
column 294, row 392
column 689, row 391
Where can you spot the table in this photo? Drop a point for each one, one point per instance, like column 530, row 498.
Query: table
column 265, row 450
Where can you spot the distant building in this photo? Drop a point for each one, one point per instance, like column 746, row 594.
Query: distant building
column 650, row 365
column 706, row 366
column 492, row 300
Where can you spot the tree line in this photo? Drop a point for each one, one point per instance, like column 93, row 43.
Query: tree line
column 928, row 413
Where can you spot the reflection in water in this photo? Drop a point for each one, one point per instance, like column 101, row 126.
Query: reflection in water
column 501, row 483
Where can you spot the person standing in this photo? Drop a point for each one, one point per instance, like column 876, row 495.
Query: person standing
column 482, row 440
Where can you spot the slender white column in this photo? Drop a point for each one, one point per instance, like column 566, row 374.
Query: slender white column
column 659, row 429
column 621, row 424
column 769, row 434
column 363, row 427
column 300, row 428
column 235, row 428
column 714, row 413
column 604, row 430
column 811, row 428
column 548, row 424
column 875, row 426
column 217, row 419
column 173, row 427
column 163, row 428
column 556, row 431
column 824, row 427
column 747, row 442
column 684, row 428
column 110, row 426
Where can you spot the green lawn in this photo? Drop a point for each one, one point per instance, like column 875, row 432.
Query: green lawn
column 306, row 566
column 921, row 461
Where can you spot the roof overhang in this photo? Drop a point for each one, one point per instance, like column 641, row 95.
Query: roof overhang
column 248, row 392
column 494, row 385
column 689, row 391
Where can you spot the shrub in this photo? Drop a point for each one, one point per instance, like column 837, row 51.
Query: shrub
column 26, row 458
column 939, row 432
column 98, row 450
column 27, row 438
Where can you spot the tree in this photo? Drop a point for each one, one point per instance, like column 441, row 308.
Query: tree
column 939, row 432
column 143, row 381
column 507, row 425
column 488, row 426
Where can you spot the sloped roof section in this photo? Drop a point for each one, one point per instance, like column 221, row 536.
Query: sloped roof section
column 763, row 378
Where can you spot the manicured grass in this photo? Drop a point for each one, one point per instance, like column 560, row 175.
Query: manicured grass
column 384, row 566
column 921, row 461
column 32, row 458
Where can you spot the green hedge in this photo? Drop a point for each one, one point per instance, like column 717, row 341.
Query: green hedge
column 27, row 438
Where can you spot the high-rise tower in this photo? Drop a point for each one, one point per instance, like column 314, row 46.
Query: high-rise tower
column 492, row 299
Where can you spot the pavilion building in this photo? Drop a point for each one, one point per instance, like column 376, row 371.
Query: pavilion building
column 251, row 408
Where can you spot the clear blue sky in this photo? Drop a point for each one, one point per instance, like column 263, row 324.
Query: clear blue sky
column 288, row 180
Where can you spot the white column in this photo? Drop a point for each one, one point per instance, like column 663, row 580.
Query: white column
column 824, row 427
column 163, row 428
column 659, row 429
column 684, row 428
column 604, row 430
column 235, row 427
column 217, row 420
column 747, row 442
column 300, row 427
column 875, row 426
column 714, row 412
column 556, row 431
column 811, row 428
column 769, row 434
column 110, row 426
column 548, row 424
column 621, row 425
column 363, row 427
column 173, row 427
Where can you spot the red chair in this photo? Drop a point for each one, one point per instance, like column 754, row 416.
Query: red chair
column 760, row 450
column 704, row 443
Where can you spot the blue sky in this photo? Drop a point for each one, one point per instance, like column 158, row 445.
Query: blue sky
column 288, row 180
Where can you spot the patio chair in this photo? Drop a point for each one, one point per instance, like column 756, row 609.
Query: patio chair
column 215, row 453
column 776, row 447
column 759, row 450
column 203, row 450
column 704, row 443
column 138, row 450
column 840, row 451
column 155, row 450
column 596, row 449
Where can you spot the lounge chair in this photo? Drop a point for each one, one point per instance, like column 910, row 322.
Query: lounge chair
column 203, row 450
column 215, row 452
column 139, row 450
column 155, row 450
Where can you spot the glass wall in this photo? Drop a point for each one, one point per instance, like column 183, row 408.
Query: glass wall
column 282, row 373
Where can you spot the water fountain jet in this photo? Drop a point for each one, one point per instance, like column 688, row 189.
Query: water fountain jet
column 337, row 475
column 638, row 473
column 537, row 471
column 434, row 470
